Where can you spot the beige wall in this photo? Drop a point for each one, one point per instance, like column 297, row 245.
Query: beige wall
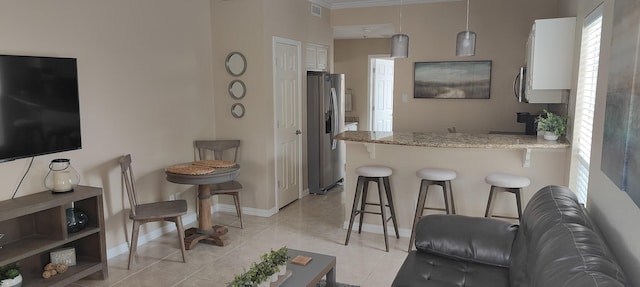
column 502, row 27
column 145, row 89
column 613, row 210
column 254, row 24
column 352, row 59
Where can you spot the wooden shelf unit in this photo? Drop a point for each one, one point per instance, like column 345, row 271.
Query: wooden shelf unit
column 35, row 224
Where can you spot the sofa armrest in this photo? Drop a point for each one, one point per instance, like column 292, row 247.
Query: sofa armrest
column 481, row 240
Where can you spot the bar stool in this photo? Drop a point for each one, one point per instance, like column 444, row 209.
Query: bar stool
column 508, row 183
column 433, row 176
column 379, row 175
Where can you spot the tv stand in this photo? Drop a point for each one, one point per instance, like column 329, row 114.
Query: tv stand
column 35, row 224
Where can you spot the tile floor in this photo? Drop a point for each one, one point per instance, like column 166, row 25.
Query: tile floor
column 313, row 223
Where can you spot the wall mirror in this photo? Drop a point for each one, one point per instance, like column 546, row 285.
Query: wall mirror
column 237, row 110
column 237, row 89
column 236, row 63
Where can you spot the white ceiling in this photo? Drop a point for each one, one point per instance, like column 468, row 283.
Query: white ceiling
column 363, row 31
column 384, row 30
column 341, row 4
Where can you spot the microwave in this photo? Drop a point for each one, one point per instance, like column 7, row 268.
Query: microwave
column 525, row 94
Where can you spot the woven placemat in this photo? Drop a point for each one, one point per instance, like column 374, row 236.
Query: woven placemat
column 190, row 169
column 215, row 163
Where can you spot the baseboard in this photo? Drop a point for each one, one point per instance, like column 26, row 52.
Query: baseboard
column 228, row 208
column 374, row 228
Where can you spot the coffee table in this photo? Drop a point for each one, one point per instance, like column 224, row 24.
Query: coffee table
column 320, row 266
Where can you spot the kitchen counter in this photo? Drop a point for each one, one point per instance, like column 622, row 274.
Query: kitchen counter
column 454, row 140
column 472, row 156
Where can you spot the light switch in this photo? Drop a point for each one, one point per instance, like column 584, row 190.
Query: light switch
column 405, row 98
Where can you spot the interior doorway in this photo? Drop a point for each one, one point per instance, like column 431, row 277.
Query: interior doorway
column 288, row 103
column 381, row 73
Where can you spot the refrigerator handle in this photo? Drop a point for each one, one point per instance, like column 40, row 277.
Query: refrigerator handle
column 334, row 118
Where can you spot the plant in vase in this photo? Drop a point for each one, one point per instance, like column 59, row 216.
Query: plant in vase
column 10, row 276
column 280, row 258
column 267, row 269
column 553, row 125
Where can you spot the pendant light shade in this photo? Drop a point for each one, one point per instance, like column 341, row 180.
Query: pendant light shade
column 466, row 40
column 399, row 46
column 466, row 44
column 400, row 42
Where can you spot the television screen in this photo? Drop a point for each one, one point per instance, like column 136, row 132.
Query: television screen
column 39, row 107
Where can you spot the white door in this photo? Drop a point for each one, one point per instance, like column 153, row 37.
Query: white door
column 287, row 93
column 382, row 95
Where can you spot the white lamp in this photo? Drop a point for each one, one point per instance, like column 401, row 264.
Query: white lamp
column 399, row 46
column 466, row 40
column 400, row 42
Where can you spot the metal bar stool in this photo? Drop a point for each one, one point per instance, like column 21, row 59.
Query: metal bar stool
column 433, row 176
column 379, row 175
column 507, row 183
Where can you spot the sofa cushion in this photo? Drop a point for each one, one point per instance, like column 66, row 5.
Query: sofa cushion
column 481, row 240
column 549, row 206
column 557, row 245
column 570, row 254
column 422, row 269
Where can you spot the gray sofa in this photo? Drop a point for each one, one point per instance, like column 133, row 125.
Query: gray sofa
column 555, row 245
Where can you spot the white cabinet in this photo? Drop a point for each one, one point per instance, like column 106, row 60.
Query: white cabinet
column 549, row 60
column 317, row 56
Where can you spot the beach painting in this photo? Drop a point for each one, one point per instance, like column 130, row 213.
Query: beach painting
column 452, row 80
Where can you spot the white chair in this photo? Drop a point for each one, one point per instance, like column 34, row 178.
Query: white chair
column 379, row 175
column 433, row 176
column 507, row 183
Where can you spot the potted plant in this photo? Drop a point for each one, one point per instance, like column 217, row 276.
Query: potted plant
column 280, row 258
column 243, row 280
column 10, row 276
column 265, row 271
column 553, row 125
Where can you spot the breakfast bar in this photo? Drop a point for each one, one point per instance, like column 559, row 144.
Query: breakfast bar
column 472, row 156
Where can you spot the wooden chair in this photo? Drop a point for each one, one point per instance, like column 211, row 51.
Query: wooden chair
column 150, row 212
column 222, row 150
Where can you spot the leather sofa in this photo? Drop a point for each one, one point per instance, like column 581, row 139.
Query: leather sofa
column 555, row 245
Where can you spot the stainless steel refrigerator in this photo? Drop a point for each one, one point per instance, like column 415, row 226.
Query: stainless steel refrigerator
column 325, row 119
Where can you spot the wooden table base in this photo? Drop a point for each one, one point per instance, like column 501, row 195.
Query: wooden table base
column 192, row 236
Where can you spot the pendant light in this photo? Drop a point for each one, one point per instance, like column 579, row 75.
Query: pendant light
column 400, row 42
column 466, row 40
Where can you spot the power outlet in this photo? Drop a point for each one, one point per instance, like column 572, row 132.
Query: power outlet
column 405, row 98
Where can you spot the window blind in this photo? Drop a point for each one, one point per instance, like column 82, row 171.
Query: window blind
column 585, row 101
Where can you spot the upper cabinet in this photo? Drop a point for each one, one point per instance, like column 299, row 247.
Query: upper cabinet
column 549, row 60
column 317, row 57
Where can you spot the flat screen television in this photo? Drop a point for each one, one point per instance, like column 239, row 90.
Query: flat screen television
column 39, row 106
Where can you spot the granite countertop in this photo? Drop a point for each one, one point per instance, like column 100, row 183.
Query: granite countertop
column 454, row 140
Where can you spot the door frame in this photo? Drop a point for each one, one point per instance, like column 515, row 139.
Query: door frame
column 279, row 40
column 369, row 122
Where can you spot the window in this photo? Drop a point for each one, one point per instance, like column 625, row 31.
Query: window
column 585, row 102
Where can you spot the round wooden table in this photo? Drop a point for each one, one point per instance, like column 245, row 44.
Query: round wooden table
column 205, row 231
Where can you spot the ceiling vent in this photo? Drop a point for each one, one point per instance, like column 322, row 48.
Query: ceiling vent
column 316, row 10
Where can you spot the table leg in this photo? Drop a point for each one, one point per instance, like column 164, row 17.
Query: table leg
column 331, row 277
column 205, row 231
column 204, row 204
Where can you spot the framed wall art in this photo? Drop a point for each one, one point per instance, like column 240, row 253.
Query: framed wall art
column 621, row 137
column 452, row 80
